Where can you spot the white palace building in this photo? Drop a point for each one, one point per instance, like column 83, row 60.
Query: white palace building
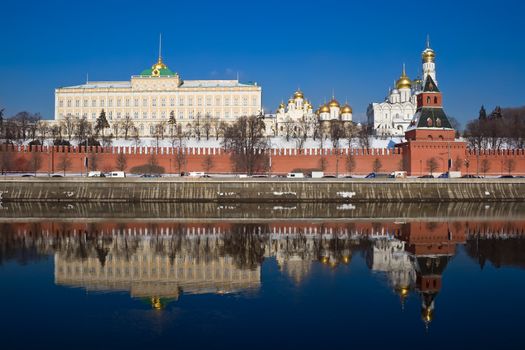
column 392, row 116
column 152, row 96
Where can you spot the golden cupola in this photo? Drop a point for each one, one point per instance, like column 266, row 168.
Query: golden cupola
column 346, row 109
column 324, row 109
column 403, row 82
column 298, row 94
column 333, row 103
column 281, row 105
column 428, row 55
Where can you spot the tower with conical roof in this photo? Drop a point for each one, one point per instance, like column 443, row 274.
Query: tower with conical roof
column 430, row 134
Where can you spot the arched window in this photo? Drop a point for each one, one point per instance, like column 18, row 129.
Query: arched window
column 428, row 99
column 435, row 100
column 430, row 137
column 440, row 137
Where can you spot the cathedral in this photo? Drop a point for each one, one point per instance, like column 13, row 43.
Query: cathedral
column 393, row 116
column 298, row 117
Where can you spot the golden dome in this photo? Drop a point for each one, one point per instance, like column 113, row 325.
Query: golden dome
column 346, row 109
column 324, row 109
column 403, row 82
column 298, row 94
column 159, row 65
column 333, row 103
column 281, row 105
column 428, row 55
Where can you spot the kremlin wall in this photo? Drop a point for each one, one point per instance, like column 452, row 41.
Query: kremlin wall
column 411, row 156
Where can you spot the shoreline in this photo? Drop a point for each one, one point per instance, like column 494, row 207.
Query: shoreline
column 259, row 190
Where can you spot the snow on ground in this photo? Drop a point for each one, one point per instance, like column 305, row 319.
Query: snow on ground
column 275, row 142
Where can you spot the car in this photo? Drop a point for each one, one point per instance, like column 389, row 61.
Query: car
column 428, row 176
column 295, row 175
column 259, row 176
column 116, row 174
column 28, row 175
column 443, row 176
column 469, row 176
column 329, row 177
column 150, row 175
column 349, row 177
column 370, row 176
column 96, row 174
column 57, row 175
column 506, row 177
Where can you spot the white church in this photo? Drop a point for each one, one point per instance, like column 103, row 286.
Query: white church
column 392, row 116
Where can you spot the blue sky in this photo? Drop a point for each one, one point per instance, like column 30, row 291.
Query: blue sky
column 355, row 48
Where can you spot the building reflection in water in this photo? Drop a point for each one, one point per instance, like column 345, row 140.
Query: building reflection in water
column 158, row 262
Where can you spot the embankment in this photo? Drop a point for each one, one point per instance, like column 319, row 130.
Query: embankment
column 259, row 190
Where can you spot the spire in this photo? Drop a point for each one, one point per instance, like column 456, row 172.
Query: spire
column 428, row 41
column 160, row 47
column 404, row 74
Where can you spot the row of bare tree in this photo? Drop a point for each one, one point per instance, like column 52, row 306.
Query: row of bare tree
column 503, row 128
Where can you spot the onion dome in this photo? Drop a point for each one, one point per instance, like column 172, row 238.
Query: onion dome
column 298, row 94
column 403, row 82
column 333, row 103
column 346, row 109
column 281, row 105
column 290, row 100
column 324, row 109
column 428, row 55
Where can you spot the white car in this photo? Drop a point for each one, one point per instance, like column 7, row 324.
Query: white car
column 116, row 174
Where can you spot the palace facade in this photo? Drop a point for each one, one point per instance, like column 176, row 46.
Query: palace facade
column 392, row 116
column 150, row 98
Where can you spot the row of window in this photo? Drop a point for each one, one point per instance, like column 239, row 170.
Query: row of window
column 162, row 102
column 163, row 115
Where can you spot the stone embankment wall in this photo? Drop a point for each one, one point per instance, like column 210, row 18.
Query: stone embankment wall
column 258, row 190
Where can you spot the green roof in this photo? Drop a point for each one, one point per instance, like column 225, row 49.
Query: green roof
column 430, row 85
column 433, row 118
column 162, row 72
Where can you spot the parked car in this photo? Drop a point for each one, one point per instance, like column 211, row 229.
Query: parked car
column 428, row 176
column 506, row 177
column 329, row 177
column 295, row 175
column 28, row 175
column 469, row 176
column 96, row 174
column 116, row 174
column 150, row 175
column 370, row 176
column 443, row 176
column 348, row 177
column 57, row 175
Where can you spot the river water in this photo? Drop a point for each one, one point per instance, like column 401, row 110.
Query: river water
column 195, row 276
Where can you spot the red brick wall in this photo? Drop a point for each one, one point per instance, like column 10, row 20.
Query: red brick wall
column 283, row 160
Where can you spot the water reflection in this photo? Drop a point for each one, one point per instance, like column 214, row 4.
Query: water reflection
column 159, row 261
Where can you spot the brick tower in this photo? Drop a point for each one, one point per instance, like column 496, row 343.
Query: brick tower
column 430, row 139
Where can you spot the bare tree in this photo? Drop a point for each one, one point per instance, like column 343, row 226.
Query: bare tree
column 216, row 126
column 197, row 126
column 376, row 165
column 323, row 163
column 68, row 125
column 350, row 162
column 351, row 133
column 337, row 132
column 64, row 162
column 127, row 126
column 485, row 166
column 208, row 163
column 207, row 126
column 35, row 161
column 432, row 165
column 365, row 137
column 288, row 128
column 509, row 165
column 6, row 158
column 121, row 161
column 247, row 143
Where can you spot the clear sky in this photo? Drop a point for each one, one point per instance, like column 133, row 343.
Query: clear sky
column 355, row 48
